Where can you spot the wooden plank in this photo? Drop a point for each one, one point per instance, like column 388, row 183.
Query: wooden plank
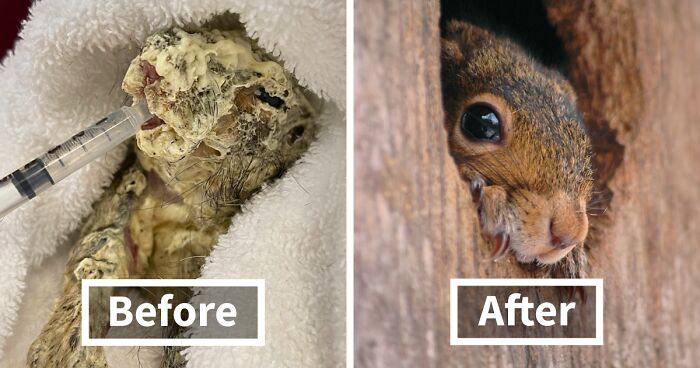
column 415, row 227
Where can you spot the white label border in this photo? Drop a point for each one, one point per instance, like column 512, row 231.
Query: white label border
column 86, row 340
column 475, row 341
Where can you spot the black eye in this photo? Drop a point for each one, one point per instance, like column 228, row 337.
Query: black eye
column 480, row 122
column 265, row 97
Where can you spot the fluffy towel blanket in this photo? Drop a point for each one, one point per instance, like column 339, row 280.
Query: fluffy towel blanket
column 65, row 73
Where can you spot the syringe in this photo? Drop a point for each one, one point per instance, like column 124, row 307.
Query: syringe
column 59, row 162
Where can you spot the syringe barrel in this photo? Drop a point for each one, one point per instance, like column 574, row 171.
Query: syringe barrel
column 25, row 183
column 93, row 142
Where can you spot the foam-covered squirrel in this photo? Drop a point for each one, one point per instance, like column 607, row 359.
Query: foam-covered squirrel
column 518, row 139
column 228, row 120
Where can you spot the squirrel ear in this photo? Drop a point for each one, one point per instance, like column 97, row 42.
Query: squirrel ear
column 568, row 89
column 466, row 37
column 449, row 50
column 456, row 27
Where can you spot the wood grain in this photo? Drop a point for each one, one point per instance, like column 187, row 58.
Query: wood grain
column 635, row 65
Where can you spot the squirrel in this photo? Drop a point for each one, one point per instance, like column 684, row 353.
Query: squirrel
column 519, row 140
column 227, row 120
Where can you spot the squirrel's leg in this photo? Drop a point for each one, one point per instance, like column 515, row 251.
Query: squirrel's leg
column 179, row 260
column 182, row 257
column 101, row 253
column 172, row 355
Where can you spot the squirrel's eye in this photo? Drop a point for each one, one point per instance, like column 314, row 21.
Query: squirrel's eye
column 481, row 122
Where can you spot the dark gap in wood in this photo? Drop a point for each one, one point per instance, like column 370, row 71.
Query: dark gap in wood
column 603, row 69
column 524, row 21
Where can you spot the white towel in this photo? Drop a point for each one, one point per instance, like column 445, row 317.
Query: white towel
column 65, row 73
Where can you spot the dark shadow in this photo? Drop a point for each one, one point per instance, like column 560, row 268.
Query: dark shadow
column 524, row 21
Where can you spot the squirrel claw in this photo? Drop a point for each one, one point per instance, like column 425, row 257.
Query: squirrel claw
column 502, row 241
column 476, row 187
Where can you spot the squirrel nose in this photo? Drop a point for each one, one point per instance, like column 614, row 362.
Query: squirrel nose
column 560, row 240
column 568, row 226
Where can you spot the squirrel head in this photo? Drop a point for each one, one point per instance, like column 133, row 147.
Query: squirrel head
column 518, row 139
